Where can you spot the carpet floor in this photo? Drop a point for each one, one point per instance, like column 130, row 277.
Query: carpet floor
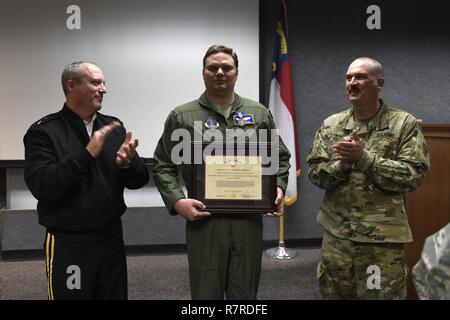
column 165, row 277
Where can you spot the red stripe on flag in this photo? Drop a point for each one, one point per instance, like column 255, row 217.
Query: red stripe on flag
column 284, row 78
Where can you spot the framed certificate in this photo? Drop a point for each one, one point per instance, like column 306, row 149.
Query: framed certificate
column 232, row 179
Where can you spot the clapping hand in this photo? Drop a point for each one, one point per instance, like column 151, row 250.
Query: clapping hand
column 97, row 141
column 348, row 151
column 126, row 151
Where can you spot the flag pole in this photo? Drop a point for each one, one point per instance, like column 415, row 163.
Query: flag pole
column 281, row 104
column 281, row 252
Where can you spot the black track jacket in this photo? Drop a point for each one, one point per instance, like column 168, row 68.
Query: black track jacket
column 76, row 192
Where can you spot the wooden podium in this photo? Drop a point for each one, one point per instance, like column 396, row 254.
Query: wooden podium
column 428, row 207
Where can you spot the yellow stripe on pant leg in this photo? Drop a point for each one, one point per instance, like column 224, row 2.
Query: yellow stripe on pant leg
column 47, row 262
column 52, row 251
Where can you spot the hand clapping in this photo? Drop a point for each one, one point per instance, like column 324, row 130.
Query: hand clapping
column 348, row 151
column 126, row 151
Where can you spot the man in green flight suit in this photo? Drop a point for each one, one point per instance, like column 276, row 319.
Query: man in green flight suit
column 366, row 158
column 224, row 250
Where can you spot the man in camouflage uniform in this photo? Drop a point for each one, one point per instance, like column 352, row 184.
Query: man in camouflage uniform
column 366, row 158
column 224, row 250
column 432, row 273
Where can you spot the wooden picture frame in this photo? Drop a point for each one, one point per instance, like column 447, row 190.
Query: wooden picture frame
column 262, row 203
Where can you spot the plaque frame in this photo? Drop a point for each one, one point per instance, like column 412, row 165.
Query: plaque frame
column 196, row 188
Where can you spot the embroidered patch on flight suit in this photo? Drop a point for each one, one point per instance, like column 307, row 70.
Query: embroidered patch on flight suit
column 211, row 122
column 241, row 119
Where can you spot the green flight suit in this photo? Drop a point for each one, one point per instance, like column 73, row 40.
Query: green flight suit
column 224, row 250
column 365, row 205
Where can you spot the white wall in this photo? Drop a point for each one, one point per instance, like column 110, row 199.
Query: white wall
column 150, row 51
column 18, row 197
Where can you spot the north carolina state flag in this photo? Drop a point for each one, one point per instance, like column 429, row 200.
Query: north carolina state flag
column 281, row 102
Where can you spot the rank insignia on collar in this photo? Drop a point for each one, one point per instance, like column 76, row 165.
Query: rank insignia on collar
column 211, row 122
column 241, row 119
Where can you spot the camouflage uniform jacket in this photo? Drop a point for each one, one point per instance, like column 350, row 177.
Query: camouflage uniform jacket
column 366, row 204
column 165, row 171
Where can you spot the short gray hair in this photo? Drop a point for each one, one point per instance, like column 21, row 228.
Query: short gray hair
column 72, row 72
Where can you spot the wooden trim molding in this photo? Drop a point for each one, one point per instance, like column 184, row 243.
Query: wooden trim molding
column 436, row 130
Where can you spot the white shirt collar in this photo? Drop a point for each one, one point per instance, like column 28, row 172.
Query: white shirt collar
column 89, row 125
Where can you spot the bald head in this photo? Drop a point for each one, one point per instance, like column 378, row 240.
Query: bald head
column 364, row 81
column 373, row 66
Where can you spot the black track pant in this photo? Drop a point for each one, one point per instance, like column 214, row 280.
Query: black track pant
column 86, row 265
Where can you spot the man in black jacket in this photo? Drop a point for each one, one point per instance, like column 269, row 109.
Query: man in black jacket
column 77, row 163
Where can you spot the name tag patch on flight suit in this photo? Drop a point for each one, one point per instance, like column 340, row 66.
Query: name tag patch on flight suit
column 211, row 122
column 241, row 119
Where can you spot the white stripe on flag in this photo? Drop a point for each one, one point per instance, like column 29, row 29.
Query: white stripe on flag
column 285, row 125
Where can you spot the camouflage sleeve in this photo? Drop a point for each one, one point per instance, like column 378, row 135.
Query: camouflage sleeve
column 430, row 275
column 406, row 171
column 323, row 171
column 419, row 275
column 165, row 172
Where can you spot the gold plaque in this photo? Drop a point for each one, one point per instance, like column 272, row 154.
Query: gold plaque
column 233, row 177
